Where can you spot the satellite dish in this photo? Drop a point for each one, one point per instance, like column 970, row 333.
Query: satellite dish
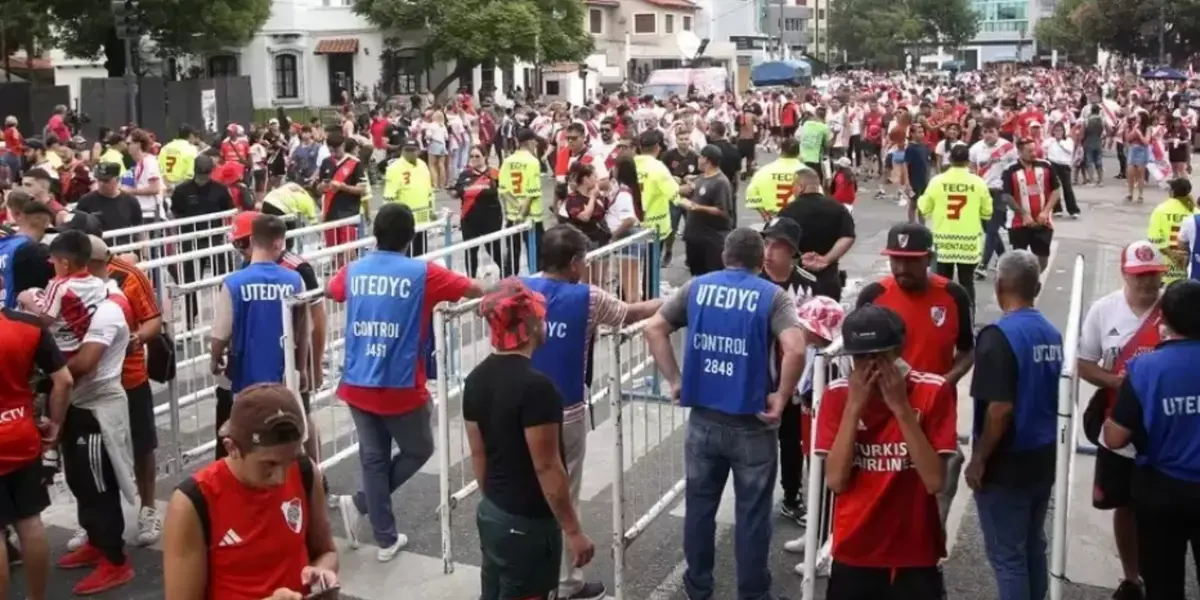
column 688, row 44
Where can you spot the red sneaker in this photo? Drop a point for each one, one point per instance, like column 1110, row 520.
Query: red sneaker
column 86, row 556
column 106, row 576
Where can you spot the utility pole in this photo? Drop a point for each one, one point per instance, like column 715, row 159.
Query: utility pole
column 1162, row 32
column 126, row 19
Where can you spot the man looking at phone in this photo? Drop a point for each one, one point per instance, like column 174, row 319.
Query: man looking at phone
column 885, row 432
column 733, row 318
column 225, row 536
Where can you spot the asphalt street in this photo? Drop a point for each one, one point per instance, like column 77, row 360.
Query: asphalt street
column 652, row 435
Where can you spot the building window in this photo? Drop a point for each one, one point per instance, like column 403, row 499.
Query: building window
column 687, row 22
column 645, row 23
column 223, row 65
column 552, row 87
column 596, row 21
column 286, row 77
column 668, row 23
column 793, row 24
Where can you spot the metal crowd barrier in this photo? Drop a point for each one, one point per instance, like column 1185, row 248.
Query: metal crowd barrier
column 818, row 538
column 627, row 268
column 167, row 228
column 190, row 408
column 1069, row 425
column 334, row 425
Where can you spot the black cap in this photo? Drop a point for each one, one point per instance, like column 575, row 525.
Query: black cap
column 872, row 328
column 410, row 144
column 712, row 154
column 83, row 221
column 108, row 170
column 650, row 139
column 525, row 134
column 204, row 164
column 909, row 239
column 784, row 229
column 35, row 144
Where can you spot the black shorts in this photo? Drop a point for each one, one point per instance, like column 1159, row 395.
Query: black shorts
column 141, row 419
column 789, row 130
column 22, row 494
column 1113, row 484
column 776, row 131
column 1034, row 239
column 865, row 583
column 869, row 148
column 747, row 148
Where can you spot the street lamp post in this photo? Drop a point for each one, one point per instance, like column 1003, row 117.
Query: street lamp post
column 583, row 72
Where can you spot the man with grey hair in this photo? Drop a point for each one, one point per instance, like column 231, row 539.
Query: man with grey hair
column 1018, row 361
column 733, row 318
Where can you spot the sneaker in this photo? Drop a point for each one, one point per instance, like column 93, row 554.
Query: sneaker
column 1129, row 590
column 14, row 551
column 106, row 576
column 800, row 569
column 149, row 526
column 85, row 556
column 795, row 546
column 793, row 511
column 78, row 540
column 592, row 590
column 980, row 274
column 350, row 518
column 387, row 554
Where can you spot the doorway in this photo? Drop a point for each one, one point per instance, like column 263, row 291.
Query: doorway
column 341, row 78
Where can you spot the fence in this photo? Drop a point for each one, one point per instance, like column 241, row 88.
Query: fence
column 188, row 408
column 627, row 268
column 334, row 427
column 818, row 537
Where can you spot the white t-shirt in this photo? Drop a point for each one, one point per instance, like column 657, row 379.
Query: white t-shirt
column 109, row 329
column 983, row 155
column 1187, row 235
column 620, row 209
column 145, row 173
column 1109, row 324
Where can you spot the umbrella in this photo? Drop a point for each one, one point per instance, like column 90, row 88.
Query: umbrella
column 1165, row 73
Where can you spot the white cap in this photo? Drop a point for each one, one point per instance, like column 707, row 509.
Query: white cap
column 1142, row 257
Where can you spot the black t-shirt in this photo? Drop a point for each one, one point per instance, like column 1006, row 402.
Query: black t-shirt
column 995, row 380
column 731, row 159
column 344, row 204
column 680, row 164
column 504, row 395
column 823, row 221
column 394, row 134
column 796, row 283
column 117, row 212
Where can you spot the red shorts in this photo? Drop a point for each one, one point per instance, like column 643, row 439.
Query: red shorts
column 341, row 235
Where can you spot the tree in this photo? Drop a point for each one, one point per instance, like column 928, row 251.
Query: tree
column 22, row 27
column 472, row 31
column 950, row 23
column 84, row 28
column 1129, row 28
column 1060, row 31
column 874, row 31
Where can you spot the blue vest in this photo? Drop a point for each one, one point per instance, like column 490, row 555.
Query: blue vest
column 726, row 358
column 1037, row 346
column 385, row 293
column 564, row 354
column 8, row 252
column 1194, row 255
column 256, row 348
column 1169, row 392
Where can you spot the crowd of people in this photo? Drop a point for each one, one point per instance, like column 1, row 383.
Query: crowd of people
column 966, row 156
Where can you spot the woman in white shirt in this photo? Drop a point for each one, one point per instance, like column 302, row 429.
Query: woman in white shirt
column 436, row 144
column 621, row 217
column 1060, row 153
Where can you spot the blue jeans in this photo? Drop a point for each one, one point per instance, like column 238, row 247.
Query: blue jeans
column 1014, row 536
column 458, row 160
column 382, row 473
column 992, row 242
column 713, row 449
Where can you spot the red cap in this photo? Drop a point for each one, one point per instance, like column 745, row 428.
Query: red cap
column 229, row 173
column 1142, row 257
column 243, row 225
column 511, row 310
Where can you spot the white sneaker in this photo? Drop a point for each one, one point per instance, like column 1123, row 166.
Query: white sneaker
column 795, row 546
column 149, row 526
column 386, row 554
column 350, row 518
column 800, row 569
column 77, row 541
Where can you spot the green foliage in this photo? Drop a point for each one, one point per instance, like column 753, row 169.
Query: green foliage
column 875, row 31
column 24, row 26
column 951, row 23
column 85, row 27
column 471, row 31
column 1129, row 28
column 1061, row 32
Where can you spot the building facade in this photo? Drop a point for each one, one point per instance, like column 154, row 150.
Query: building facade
column 1005, row 32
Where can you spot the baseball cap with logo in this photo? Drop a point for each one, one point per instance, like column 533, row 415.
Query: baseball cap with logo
column 908, row 240
column 871, row 329
column 107, row 171
column 264, row 414
column 512, row 311
column 784, row 229
column 1142, row 257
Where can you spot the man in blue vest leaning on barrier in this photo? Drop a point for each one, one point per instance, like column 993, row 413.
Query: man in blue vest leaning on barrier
column 573, row 311
column 732, row 317
column 389, row 305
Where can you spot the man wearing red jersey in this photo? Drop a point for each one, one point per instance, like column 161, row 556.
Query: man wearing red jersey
column 226, row 537
column 886, row 433
column 23, row 497
column 936, row 313
column 1033, row 189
